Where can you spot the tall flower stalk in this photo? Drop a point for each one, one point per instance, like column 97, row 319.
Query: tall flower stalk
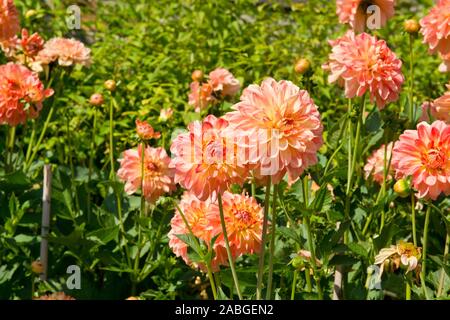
column 263, row 241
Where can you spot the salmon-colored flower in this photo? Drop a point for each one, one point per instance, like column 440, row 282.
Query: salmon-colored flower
column 31, row 44
column 355, row 12
column 279, row 127
column 222, row 80
column 9, row 20
column 424, row 154
column 243, row 219
column 375, row 164
column 205, row 159
column 158, row 177
column 66, row 52
column 145, row 131
column 201, row 95
column 436, row 28
column 442, row 105
column 11, row 46
column 21, row 94
column 363, row 63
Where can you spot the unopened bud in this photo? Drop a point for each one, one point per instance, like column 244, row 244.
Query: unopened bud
column 37, row 267
column 401, row 187
column 110, row 85
column 197, row 75
column 96, row 100
column 411, row 26
column 302, row 66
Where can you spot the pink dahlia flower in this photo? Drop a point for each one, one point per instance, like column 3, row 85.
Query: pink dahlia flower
column 222, row 80
column 375, row 164
column 9, row 20
column 205, row 159
column 158, row 177
column 67, row 52
column 145, row 131
column 355, row 13
column 435, row 28
column 201, row 96
column 363, row 63
column 21, row 94
column 279, row 127
column 424, row 154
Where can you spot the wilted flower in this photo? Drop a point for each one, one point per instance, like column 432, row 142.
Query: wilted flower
column 165, row 114
column 96, row 99
column 424, row 154
column 158, row 177
column 201, row 95
column 404, row 252
column 205, row 160
column 66, row 52
column 55, row 296
column 21, row 94
column 222, row 80
column 9, row 20
column 375, row 164
column 363, row 63
column 279, row 126
column 436, row 28
column 145, row 131
column 302, row 259
column 355, row 13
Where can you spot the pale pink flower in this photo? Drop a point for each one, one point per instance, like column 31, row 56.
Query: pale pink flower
column 205, row 160
column 21, row 94
column 158, row 177
column 145, row 131
column 375, row 164
column 201, row 95
column 66, row 52
column 9, row 20
column 222, row 80
column 445, row 65
column 279, row 127
column 354, row 12
column 362, row 63
column 165, row 114
column 424, row 154
column 11, row 46
column 435, row 28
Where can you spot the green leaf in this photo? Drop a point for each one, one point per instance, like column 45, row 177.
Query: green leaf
column 104, row 235
column 358, row 249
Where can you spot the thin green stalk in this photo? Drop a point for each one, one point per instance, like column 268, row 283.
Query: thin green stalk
column 91, row 164
column 408, row 291
column 30, row 143
column 272, row 242
column 294, row 285
column 308, row 280
column 227, row 246
column 263, row 241
column 444, row 262
column 413, row 219
column 111, row 137
column 411, row 113
column 424, row 251
column 11, row 138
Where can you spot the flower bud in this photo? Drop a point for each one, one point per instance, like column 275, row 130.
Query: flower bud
column 298, row 263
column 110, row 85
column 96, row 100
column 30, row 13
column 145, row 131
column 302, row 66
column 401, row 187
column 411, row 26
column 197, row 75
column 132, row 298
column 37, row 267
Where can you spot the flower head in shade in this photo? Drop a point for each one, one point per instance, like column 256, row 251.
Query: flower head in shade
column 31, row 44
column 66, row 52
column 364, row 64
column 200, row 216
column 279, row 127
column 21, row 94
column 404, row 253
column 375, row 164
column 424, row 154
column 222, row 80
column 436, row 28
column 158, row 177
column 145, row 131
column 201, row 95
column 355, row 12
column 243, row 220
column 205, row 159
column 9, row 20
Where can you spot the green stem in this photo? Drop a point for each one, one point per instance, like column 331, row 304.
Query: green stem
column 408, row 291
column 30, row 143
column 308, row 280
column 263, row 241
column 413, row 219
column 272, row 242
column 11, row 138
column 411, row 81
column 111, row 137
column 294, row 285
column 442, row 276
column 91, row 164
column 424, row 252
column 227, row 246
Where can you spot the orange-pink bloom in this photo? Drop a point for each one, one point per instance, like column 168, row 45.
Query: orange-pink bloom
column 362, row 63
column 355, row 13
column 435, row 28
column 205, row 159
column 375, row 164
column 222, row 80
column 66, row 52
column 279, row 128
column 201, row 95
column 424, row 154
column 145, row 131
column 21, row 94
column 442, row 106
column 158, row 177
column 31, row 44
column 9, row 20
